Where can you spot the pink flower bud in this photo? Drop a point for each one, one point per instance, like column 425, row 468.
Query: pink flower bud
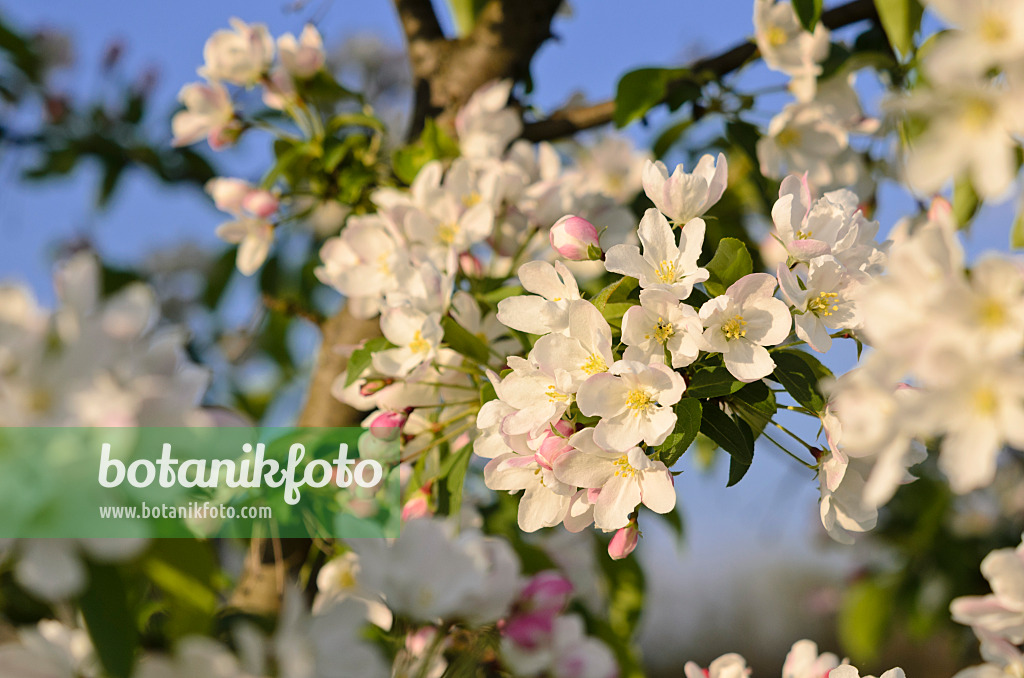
column 624, row 541
column 547, row 591
column 372, row 386
column 470, row 265
column 575, row 238
column 388, row 425
column 260, row 203
column 418, row 505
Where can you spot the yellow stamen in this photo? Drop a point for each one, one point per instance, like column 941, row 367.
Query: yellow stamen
column 800, row 235
column 823, row 304
column 663, row 330
column 978, row 113
column 623, row 467
column 788, row 137
column 447, row 233
column 777, row 36
column 666, row 271
column 471, row 199
column 595, row 364
column 639, row 401
column 992, row 314
column 734, row 327
column 986, row 402
column 418, row 343
column 993, row 28
column 556, row 397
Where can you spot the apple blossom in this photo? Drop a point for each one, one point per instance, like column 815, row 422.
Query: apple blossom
column 625, row 479
column 685, row 196
column 660, row 324
column 663, row 265
column 209, row 114
column 824, row 300
column 785, row 45
column 803, row 661
column 729, row 665
column 302, row 58
column 575, row 238
column 253, row 236
column 634, row 402
column 416, row 335
column 486, row 125
column 555, row 288
column 539, row 396
column 240, row 56
column 847, row 671
column 49, row 650
column 1000, row 613
column 586, row 349
column 1003, row 659
column 991, row 35
column 741, row 322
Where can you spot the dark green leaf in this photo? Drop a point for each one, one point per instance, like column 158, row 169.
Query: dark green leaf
column 900, row 19
column 800, row 374
column 754, row 404
column 670, row 136
column 737, row 470
column 110, row 623
column 460, row 339
column 1017, row 233
column 808, row 12
column 713, row 382
column 731, row 262
column 730, row 434
column 688, row 418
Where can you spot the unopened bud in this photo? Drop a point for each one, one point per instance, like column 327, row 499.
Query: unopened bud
column 260, row 203
column 388, row 425
column 576, row 239
column 624, row 541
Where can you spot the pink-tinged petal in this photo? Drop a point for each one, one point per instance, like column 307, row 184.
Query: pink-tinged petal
column 583, row 470
column 752, row 285
column 789, row 286
column 619, row 497
column 807, row 249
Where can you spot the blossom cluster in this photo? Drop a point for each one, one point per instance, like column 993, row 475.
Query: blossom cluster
column 802, row 661
column 946, row 365
column 997, row 619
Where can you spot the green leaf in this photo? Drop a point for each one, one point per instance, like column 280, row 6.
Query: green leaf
column 864, row 618
column 641, row 90
column 713, row 382
column 900, row 19
column 808, row 12
column 620, row 288
column 800, row 373
column 613, row 312
column 670, row 136
column 737, row 470
column 731, row 262
column 455, row 478
column 111, row 626
column 755, row 404
column 730, row 434
column 362, row 357
column 1017, row 233
column 504, row 292
column 464, row 13
column 688, row 418
column 965, row 201
column 460, row 339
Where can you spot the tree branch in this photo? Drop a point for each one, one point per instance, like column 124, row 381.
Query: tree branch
column 569, row 121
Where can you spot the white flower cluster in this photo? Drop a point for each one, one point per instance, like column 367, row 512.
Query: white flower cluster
column 812, row 134
column 972, row 101
column 803, row 661
column 489, row 209
column 946, row 365
column 998, row 618
column 243, row 56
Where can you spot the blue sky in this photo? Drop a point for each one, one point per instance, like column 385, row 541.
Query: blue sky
column 601, row 40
